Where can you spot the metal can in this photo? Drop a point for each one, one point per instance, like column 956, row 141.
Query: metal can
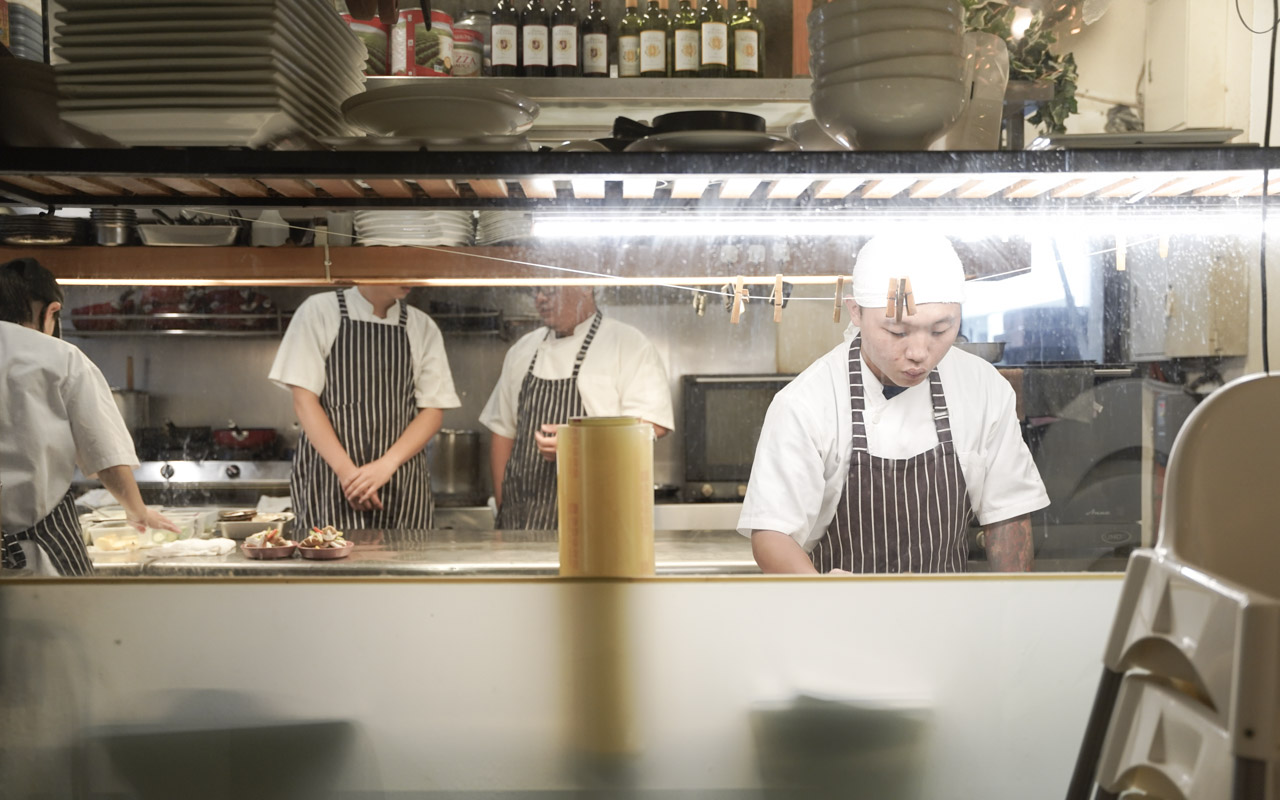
column 468, row 53
column 419, row 50
column 376, row 37
column 479, row 21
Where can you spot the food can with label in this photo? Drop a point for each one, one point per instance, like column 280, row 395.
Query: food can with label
column 480, row 22
column 468, row 53
column 377, row 40
column 419, row 50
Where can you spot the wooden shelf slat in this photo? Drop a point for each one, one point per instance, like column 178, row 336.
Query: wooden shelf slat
column 390, row 187
column 242, row 187
column 539, row 188
column 192, row 187
column 490, row 188
column 338, row 187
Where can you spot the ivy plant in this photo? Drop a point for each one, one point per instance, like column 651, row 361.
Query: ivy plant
column 1031, row 58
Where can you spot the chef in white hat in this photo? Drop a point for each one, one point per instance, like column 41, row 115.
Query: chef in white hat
column 876, row 457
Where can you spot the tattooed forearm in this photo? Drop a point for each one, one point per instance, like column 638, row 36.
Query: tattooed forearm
column 1009, row 544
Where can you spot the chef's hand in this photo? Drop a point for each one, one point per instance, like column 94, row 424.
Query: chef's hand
column 365, row 505
column 839, row 572
column 361, row 485
column 152, row 519
column 546, row 439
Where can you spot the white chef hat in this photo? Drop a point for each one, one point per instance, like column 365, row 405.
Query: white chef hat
column 927, row 259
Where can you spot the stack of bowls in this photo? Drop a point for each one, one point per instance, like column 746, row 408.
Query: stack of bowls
column 114, row 226
column 26, row 33
column 887, row 74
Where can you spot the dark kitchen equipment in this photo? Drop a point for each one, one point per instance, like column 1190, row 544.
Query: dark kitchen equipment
column 455, row 467
column 677, row 121
column 723, row 415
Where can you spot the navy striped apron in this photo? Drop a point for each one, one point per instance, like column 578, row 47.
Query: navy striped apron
column 529, row 482
column 369, row 398
column 58, row 535
column 898, row 515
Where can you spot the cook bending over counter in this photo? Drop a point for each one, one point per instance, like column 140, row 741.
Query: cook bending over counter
column 875, row 458
column 56, row 412
column 581, row 363
column 370, row 379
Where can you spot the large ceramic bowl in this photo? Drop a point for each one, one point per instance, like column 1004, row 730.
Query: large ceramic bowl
column 838, row 8
column 889, row 113
column 947, row 67
column 880, row 22
column 870, row 47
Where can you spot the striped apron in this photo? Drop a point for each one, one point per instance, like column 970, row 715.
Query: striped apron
column 58, row 535
column 529, row 483
column 898, row 515
column 369, row 398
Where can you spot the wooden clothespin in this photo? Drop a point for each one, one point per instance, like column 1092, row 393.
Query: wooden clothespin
column 909, row 297
column 896, row 299
column 777, row 298
column 835, row 312
column 739, row 300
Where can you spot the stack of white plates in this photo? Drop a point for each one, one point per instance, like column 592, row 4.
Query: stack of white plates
column 439, row 110
column 503, row 226
column 26, row 33
column 207, row 72
column 443, row 228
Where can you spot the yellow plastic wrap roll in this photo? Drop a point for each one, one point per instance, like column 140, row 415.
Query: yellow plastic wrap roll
column 604, row 470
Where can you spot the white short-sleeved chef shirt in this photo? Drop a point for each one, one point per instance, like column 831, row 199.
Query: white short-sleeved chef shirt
column 56, row 412
column 802, row 459
column 622, row 375
column 300, row 361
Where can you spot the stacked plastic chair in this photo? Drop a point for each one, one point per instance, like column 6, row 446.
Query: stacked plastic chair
column 1189, row 703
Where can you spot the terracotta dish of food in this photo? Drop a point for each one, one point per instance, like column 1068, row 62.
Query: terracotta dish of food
column 268, row 544
column 325, row 543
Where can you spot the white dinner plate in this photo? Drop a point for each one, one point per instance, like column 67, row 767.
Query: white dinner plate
column 431, row 111
column 713, row 142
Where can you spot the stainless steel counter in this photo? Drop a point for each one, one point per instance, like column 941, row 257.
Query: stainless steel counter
column 444, row 553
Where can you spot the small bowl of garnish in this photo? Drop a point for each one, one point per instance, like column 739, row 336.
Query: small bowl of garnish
column 268, row 544
column 325, row 543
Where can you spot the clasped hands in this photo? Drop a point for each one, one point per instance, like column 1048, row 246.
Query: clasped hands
column 361, row 484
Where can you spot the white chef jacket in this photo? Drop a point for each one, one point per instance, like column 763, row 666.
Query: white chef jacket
column 300, row 361
column 56, row 412
column 802, row 459
column 621, row 376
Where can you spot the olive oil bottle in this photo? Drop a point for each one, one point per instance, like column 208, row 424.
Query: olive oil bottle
column 655, row 40
column 594, row 38
column 629, row 41
column 686, row 36
column 746, row 41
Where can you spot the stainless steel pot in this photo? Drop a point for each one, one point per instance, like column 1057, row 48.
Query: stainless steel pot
column 455, row 464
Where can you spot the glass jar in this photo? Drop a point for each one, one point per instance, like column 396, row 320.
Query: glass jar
column 480, row 22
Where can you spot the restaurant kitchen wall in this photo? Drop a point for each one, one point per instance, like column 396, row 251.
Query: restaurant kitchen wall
column 196, row 380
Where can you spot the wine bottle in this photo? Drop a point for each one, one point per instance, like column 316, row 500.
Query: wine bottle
column 594, row 32
column 655, row 40
column 565, row 61
column 535, row 40
column 629, row 42
column 713, row 30
column 746, row 41
column 504, row 38
column 686, row 36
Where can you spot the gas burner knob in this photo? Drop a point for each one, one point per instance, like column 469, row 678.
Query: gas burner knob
column 707, row 490
column 166, row 471
column 233, row 471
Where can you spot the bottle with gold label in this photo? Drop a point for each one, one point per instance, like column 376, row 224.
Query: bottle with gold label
column 713, row 38
column 629, row 42
column 504, row 39
column 746, row 41
column 535, row 40
column 655, row 40
column 594, row 38
column 686, row 37
column 566, row 59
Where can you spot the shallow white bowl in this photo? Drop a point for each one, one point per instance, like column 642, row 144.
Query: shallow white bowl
column 871, row 47
column 928, row 66
column 839, row 8
column 881, row 20
column 888, row 113
column 439, row 109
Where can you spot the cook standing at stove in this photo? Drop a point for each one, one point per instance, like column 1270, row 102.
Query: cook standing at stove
column 56, row 412
column 370, row 380
column 581, row 363
column 877, row 455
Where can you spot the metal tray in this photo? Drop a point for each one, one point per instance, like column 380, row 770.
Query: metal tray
column 188, row 235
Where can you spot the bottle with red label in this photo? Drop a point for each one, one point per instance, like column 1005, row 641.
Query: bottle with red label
column 504, row 39
column 535, row 40
column 565, row 58
column 595, row 42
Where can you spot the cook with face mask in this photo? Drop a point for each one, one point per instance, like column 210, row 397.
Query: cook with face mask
column 876, row 457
